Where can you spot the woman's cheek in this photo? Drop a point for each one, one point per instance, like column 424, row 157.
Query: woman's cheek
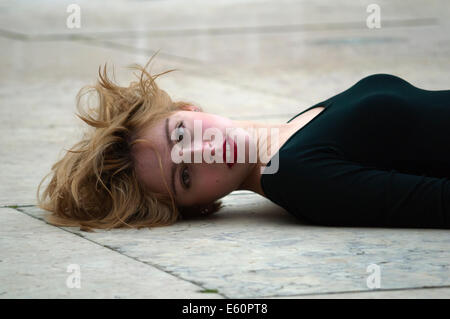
column 212, row 183
column 211, row 180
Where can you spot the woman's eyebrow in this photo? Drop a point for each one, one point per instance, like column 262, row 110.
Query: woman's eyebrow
column 174, row 166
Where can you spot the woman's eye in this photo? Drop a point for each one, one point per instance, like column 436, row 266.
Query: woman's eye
column 180, row 127
column 185, row 180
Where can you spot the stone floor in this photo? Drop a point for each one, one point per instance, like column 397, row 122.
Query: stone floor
column 244, row 59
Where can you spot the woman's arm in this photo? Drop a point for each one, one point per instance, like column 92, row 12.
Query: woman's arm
column 340, row 192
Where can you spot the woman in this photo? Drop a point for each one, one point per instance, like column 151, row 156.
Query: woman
column 376, row 154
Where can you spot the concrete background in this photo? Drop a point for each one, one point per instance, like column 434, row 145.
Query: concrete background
column 246, row 59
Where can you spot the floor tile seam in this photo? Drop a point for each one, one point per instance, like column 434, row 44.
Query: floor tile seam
column 194, row 71
column 243, row 193
column 198, row 284
column 357, row 291
column 314, row 26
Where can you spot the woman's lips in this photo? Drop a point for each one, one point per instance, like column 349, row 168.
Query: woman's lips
column 233, row 147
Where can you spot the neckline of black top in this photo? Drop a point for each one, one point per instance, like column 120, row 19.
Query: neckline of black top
column 321, row 104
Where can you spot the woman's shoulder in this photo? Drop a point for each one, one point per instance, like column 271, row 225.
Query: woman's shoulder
column 381, row 81
column 380, row 77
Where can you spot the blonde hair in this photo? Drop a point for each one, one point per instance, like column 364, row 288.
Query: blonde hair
column 95, row 184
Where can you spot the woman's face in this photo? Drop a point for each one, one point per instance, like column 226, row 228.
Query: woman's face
column 196, row 182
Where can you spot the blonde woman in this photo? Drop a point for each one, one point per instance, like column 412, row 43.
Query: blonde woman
column 376, row 154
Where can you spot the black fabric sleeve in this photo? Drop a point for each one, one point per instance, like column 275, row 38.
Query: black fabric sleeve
column 337, row 192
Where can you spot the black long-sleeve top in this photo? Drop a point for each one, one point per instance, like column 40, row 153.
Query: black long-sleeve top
column 377, row 155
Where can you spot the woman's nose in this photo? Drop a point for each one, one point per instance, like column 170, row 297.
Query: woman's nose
column 202, row 149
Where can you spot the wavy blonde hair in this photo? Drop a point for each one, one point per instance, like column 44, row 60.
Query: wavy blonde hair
column 95, row 184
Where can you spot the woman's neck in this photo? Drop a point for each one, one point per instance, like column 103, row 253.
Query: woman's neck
column 266, row 138
column 272, row 145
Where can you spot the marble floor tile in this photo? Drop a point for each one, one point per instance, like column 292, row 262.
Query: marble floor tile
column 41, row 261
column 252, row 248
